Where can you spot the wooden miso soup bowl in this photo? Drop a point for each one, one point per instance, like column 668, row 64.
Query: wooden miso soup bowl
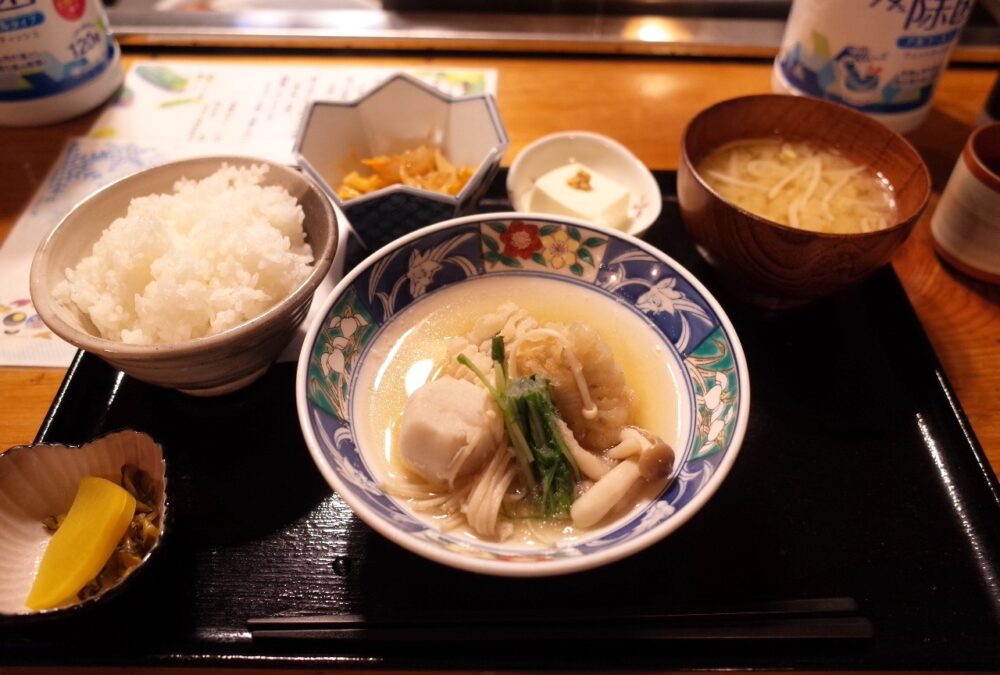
column 778, row 266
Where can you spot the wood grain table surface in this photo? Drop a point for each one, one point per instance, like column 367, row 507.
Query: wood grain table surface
column 644, row 103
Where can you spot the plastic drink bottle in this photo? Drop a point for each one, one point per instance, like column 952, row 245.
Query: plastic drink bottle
column 882, row 57
column 57, row 60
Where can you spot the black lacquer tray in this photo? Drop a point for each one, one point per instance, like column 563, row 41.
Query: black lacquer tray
column 859, row 477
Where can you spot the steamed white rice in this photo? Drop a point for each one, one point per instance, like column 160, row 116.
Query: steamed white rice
column 212, row 255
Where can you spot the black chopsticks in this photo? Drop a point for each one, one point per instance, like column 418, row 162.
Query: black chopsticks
column 796, row 619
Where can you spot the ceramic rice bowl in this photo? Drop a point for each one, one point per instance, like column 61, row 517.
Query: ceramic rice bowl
column 693, row 334
column 205, row 366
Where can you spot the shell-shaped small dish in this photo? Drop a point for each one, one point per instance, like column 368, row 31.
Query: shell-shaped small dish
column 600, row 153
column 40, row 481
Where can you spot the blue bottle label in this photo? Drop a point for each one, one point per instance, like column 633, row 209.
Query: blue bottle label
column 46, row 51
column 878, row 56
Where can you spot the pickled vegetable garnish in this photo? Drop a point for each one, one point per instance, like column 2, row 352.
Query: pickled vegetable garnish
column 100, row 515
column 111, row 553
column 423, row 167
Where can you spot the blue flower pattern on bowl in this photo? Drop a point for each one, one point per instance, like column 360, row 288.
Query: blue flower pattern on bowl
column 615, row 265
column 658, row 291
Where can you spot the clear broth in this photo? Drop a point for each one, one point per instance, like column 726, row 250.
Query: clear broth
column 409, row 351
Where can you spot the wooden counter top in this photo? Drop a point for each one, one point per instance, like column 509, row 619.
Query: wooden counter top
column 644, row 103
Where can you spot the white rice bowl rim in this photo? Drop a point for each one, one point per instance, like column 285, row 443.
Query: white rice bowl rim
column 514, row 568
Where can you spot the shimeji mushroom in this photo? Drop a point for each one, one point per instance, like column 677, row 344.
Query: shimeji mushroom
column 643, row 455
column 591, row 465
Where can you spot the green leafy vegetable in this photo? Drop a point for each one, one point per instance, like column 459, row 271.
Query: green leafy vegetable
column 530, row 415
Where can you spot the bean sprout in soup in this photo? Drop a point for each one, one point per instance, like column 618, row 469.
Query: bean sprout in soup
column 520, row 409
column 800, row 185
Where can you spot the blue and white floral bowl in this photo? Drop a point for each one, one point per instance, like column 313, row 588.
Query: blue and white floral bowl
column 698, row 340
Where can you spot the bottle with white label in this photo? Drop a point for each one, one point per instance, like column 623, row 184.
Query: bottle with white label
column 57, row 60
column 882, row 57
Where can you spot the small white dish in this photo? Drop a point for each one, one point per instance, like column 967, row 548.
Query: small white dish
column 602, row 154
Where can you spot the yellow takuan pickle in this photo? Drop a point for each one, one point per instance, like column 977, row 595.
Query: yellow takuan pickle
column 99, row 516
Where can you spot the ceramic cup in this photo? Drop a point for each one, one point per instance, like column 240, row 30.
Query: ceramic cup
column 966, row 223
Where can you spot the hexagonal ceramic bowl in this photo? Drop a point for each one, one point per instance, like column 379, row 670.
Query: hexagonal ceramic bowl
column 401, row 114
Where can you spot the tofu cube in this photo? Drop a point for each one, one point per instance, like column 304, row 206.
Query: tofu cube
column 580, row 192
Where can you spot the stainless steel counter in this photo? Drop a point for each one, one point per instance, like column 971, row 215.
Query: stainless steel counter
column 749, row 28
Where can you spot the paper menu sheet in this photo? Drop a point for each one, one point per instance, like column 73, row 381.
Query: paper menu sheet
column 256, row 105
column 222, row 110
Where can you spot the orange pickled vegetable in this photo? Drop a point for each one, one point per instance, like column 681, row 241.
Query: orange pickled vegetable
column 99, row 516
column 423, row 167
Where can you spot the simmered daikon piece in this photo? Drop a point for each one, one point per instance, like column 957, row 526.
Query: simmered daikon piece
column 450, row 429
